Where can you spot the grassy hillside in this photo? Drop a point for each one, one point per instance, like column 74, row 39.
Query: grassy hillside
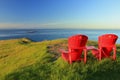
column 22, row 59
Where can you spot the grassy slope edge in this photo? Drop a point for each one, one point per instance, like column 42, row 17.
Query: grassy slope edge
column 22, row 59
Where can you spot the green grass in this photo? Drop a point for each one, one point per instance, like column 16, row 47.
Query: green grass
column 22, row 59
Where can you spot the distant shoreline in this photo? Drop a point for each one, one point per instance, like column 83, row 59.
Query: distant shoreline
column 51, row 34
column 53, row 29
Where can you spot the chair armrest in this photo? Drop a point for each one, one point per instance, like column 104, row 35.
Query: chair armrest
column 90, row 47
column 63, row 51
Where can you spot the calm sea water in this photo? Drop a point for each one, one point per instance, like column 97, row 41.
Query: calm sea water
column 49, row 34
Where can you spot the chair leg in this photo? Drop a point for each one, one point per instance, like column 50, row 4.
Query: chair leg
column 95, row 53
column 70, row 61
column 100, row 55
column 85, row 56
column 65, row 56
column 114, row 54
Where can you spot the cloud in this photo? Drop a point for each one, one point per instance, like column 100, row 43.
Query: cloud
column 20, row 25
column 10, row 25
column 98, row 25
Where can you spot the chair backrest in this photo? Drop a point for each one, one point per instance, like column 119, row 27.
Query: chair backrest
column 107, row 40
column 77, row 41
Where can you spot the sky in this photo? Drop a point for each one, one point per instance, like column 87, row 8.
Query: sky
column 70, row 14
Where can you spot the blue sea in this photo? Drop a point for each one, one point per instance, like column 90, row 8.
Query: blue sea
column 50, row 34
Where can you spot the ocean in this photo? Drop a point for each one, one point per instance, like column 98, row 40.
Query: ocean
column 50, row 34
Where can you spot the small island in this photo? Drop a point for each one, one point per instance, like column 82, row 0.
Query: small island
column 31, row 31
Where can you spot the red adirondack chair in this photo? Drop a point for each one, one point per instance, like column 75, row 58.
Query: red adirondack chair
column 76, row 45
column 106, row 47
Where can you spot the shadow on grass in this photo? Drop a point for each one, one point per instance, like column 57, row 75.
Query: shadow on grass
column 59, row 70
column 105, row 70
column 34, row 72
